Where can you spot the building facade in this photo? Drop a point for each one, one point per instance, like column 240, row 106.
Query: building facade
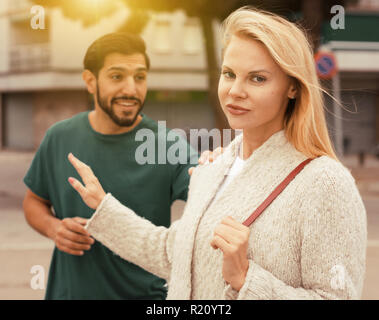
column 40, row 73
column 354, row 123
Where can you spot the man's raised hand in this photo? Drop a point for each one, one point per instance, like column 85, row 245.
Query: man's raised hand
column 208, row 156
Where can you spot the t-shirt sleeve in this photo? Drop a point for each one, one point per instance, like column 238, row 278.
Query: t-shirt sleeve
column 36, row 178
column 181, row 176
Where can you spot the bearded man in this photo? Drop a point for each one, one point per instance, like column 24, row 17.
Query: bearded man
column 115, row 73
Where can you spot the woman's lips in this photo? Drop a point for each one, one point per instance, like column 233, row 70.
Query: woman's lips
column 236, row 110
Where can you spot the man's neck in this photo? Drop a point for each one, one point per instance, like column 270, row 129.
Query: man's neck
column 101, row 123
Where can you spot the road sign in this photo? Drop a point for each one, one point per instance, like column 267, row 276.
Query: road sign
column 326, row 65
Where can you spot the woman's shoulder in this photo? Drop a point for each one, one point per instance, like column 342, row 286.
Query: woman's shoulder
column 331, row 194
column 210, row 170
column 223, row 161
column 330, row 175
column 329, row 166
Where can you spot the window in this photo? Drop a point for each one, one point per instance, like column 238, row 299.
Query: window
column 162, row 43
column 192, row 38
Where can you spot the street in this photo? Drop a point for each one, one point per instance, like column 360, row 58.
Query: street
column 21, row 247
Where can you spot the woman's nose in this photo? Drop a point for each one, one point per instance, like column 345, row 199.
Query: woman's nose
column 237, row 90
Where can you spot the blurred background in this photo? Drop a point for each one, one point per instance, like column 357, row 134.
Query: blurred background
column 42, row 46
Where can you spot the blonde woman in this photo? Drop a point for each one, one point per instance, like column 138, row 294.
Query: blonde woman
column 309, row 243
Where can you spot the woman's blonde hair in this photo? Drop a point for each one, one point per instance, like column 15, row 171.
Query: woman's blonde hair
column 304, row 124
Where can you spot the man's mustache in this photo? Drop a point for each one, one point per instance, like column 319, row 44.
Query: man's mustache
column 126, row 98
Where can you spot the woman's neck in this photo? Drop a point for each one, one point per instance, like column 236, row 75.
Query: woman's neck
column 252, row 141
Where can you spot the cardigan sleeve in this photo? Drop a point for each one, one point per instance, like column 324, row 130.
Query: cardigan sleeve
column 332, row 248
column 132, row 237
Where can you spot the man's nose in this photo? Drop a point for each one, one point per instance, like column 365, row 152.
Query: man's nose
column 129, row 87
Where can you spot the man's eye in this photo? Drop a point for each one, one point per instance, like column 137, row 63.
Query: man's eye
column 140, row 77
column 116, row 77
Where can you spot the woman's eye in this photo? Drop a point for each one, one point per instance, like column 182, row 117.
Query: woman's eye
column 228, row 74
column 258, row 79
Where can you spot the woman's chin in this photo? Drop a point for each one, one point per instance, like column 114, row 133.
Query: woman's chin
column 236, row 125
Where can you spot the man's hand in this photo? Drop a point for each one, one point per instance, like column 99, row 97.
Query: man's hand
column 71, row 237
column 232, row 238
column 92, row 192
column 208, row 156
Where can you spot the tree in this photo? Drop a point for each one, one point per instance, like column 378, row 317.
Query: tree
column 314, row 12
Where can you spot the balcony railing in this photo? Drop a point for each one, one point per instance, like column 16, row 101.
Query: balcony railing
column 29, row 57
column 19, row 4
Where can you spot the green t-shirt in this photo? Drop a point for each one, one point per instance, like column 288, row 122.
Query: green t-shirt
column 148, row 189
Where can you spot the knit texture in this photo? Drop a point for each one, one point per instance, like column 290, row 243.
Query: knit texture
column 310, row 243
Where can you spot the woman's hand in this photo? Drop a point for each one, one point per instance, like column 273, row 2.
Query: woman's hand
column 92, row 193
column 232, row 238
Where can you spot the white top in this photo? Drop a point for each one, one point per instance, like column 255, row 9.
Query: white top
column 234, row 171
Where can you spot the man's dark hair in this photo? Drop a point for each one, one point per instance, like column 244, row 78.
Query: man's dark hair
column 117, row 42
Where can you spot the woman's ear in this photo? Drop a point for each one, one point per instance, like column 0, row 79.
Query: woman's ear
column 293, row 89
column 90, row 81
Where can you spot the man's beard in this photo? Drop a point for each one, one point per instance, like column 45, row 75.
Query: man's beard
column 109, row 109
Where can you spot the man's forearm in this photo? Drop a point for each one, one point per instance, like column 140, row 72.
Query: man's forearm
column 40, row 217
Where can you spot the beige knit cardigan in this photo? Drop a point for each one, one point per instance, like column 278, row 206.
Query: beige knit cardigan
column 310, row 243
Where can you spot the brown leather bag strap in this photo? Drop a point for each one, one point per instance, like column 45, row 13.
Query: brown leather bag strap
column 275, row 193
